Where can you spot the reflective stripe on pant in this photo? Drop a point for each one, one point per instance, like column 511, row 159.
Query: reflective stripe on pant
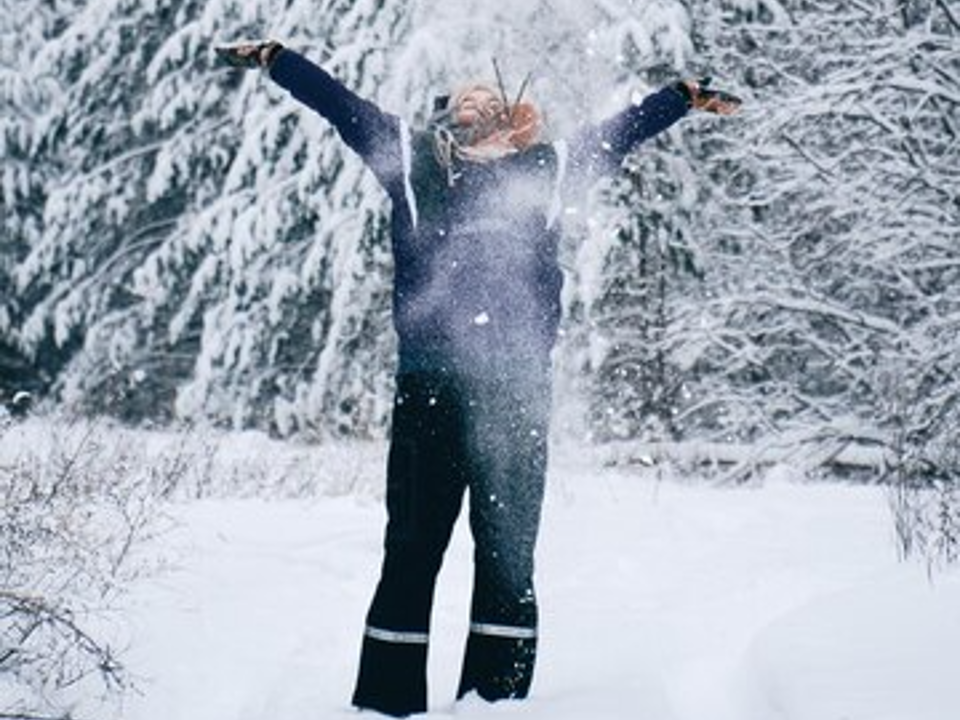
column 449, row 435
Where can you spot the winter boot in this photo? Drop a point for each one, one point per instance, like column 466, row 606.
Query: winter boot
column 392, row 679
column 498, row 666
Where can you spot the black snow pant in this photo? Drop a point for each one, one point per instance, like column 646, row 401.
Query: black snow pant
column 450, row 434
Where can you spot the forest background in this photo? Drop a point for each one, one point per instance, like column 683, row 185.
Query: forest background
column 183, row 243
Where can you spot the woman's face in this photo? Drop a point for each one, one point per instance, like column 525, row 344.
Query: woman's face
column 478, row 105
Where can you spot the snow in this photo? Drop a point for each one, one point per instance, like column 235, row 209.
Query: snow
column 659, row 598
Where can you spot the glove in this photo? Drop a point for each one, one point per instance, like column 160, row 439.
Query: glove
column 249, row 55
column 700, row 96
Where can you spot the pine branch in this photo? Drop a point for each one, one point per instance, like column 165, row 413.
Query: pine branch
column 951, row 18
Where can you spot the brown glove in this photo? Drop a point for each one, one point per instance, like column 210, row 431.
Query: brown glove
column 702, row 97
column 249, row 55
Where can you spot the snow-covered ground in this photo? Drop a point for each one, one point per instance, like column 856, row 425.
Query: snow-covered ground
column 659, row 599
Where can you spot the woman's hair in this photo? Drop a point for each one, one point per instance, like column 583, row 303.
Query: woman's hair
column 523, row 120
column 519, row 128
column 526, row 124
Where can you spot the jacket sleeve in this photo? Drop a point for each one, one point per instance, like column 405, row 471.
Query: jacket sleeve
column 364, row 127
column 600, row 149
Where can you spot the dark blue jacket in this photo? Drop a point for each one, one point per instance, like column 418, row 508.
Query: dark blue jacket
column 477, row 280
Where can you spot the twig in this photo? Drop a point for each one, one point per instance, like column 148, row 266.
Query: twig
column 949, row 13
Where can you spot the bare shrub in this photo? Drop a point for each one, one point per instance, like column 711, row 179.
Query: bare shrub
column 76, row 514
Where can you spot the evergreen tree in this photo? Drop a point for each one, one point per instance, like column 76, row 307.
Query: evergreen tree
column 185, row 241
column 209, row 249
column 25, row 92
column 642, row 261
column 184, row 247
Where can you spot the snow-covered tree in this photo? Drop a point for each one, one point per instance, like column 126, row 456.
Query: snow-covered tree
column 185, row 241
column 195, row 245
column 210, row 250
column 24, row 92
column 833, row 231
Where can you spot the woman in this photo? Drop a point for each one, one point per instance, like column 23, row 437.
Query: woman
column 476, row 300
